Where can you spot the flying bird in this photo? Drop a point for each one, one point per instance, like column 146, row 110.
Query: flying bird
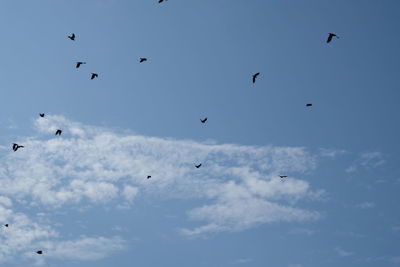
column 6, row 225
column 148, row 176
column 58, row 132
column 203, row 120
column 308, row 105
column 79, row 63
column 283, row 176
column 41, row 115
column 16, row 147
column 94, row 75
column 198, row 166
column 39, row 252
column 160, row 1
column 255, row 77
column 142, row 59
column 72, row 37
column 330, row 37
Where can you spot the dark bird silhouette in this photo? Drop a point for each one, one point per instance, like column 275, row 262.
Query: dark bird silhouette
column 198, row 166
column 283, row 176
column 309, row 105
column 16, row 147
column 72, row 37
column 330, row 37
column 94, row 75
column 148, row 176
column 142, row 59
column 160, row 1
column 255, row 77
column 41, row 115
column 58, row 132
column 6, row 225
column 203, row 120
column 39, row 252
column 79, row 63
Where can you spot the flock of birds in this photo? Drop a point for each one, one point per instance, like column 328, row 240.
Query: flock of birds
column 58, row 132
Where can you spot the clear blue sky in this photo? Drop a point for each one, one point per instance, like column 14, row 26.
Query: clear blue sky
column 338, row 206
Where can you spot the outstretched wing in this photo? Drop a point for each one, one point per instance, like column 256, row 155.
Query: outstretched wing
column 329, row 38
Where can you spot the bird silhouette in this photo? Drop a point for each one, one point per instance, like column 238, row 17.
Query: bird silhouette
column 79, row 63
column 198, row 166
column 160, row 1
column 255, row 77
column 41, row 115
column 94, row 75
column 39, row 252
column 309, row 105
column 148, row 176
column 330, row 37
column 72, row 37
column 58, row 132
column 6, row 225
column 142, row 59
column 16, row 147
column 203, row 120
column 283, row 176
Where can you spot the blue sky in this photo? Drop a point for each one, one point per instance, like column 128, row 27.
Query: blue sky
column 83, row 198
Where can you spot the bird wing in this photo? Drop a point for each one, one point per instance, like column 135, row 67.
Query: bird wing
column 329, row 38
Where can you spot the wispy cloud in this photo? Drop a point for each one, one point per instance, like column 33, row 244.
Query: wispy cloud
column 84, row 248
column 240, row 184
column 303, row 231
column 367, row 160
column 24, row 236
column 343, row 253
column 242, row 261
column 331, row 153
column 366, row 205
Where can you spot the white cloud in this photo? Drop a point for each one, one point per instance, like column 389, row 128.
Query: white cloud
column 367, row 160
column 331, row 153
column 240, row 184
column 130, row 193
column 242, row 261
column 303, row 231
column 85, row 248
column 24, row 236
column 343, row 253
column 366, row 205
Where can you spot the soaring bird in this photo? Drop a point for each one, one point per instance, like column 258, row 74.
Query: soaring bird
column 58, row 132
column 309, row 105
column 41, row 115
column 330, row 37
column 148, row 176
column 79, row 63
column 283, row 176
column 198, row 166
column 160, row 1
column 255, row 77
column 72, row 37
column 16, row 147
column 94, row 75
column 142, row 59
column 6, row 225
column 39, row 252
column 203, row 120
